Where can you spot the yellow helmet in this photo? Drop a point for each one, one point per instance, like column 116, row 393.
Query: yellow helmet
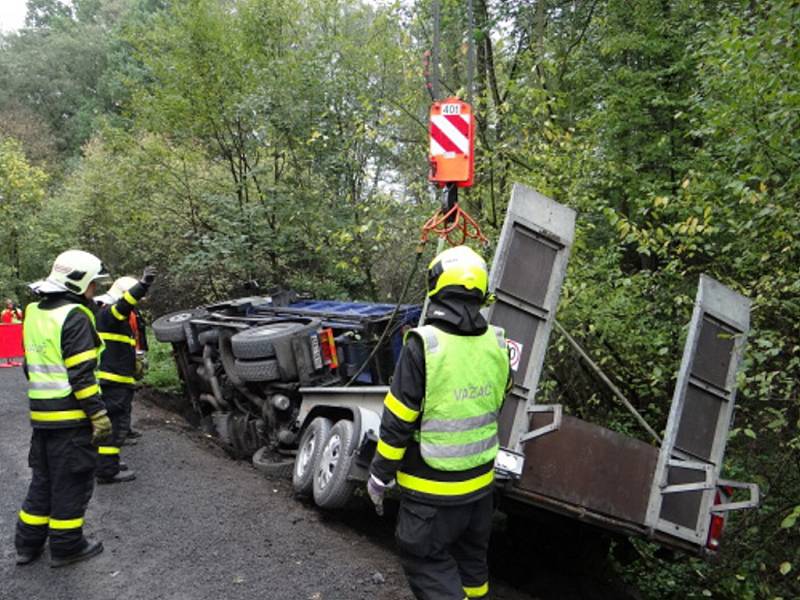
column 458, row 266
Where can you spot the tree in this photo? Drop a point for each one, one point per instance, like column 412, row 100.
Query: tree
column 22, row 190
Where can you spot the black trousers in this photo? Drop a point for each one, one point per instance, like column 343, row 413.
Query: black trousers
column 118, row 404
column 443, row 548
column 63, row 464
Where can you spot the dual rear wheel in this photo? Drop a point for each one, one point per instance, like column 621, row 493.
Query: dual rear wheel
column 323, row 463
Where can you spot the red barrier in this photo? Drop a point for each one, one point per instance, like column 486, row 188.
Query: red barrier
column 11, row 344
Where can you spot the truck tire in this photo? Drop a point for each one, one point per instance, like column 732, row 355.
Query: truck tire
column 169, row 327
column 259, row 342
column 331, row 486
column 257, row 370
column 308, row 453
column 271, row 469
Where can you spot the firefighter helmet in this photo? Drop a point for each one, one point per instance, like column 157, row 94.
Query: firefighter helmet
column 72, row 271
column 459, row 266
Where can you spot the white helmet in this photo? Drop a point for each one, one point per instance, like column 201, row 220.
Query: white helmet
column 72, row 271
column 117, row 290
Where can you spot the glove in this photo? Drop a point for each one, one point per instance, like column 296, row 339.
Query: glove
column 376, row 489
column 149, row 275
column 101, row 427
column 140, row 367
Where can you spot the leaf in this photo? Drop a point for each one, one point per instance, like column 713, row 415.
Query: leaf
column 750, row 433
column 785, row 568
column 790, row 519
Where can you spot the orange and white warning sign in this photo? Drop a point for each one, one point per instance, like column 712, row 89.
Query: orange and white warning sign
column 452, row 138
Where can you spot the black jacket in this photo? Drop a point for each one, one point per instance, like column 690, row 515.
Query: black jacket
column 118, row 361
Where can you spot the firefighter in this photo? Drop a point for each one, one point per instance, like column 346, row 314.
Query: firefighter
column 139, row 329
column 438, row 435
column 67, row 412
column 117, row 372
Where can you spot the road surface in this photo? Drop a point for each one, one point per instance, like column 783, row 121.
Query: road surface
column 197, row 525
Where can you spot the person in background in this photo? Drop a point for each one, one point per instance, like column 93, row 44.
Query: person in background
column 11, row 313
column 139, row 329
column 438, row 434
column 67, row 412
column 117, row 372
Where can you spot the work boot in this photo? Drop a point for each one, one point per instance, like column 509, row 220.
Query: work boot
column 134, row 433
column 129, row 441
column 26, row 557
column 123, row 466
column 120, row 477
column 92, row 549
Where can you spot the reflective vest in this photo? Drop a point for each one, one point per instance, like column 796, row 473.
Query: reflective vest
column 49, row 391
column 465, row 379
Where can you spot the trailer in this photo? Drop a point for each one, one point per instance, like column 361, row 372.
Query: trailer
column 304, row 381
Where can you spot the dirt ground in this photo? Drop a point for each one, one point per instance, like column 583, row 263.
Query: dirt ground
column 198, row 525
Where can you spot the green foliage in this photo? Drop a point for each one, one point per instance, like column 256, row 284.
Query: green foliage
column 162, row 374
column 284, row 142
column 22, row 191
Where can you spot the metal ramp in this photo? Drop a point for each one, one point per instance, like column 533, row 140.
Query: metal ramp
column 526, row 276
column 687, row 474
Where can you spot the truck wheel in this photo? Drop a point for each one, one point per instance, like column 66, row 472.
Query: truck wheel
column 259, row 342
column 331, row 487
column 257, row 370
column 169, row 328
column 308, row 453
column 271, row 469
column 281, row 469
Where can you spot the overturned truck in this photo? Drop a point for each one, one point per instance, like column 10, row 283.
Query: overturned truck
column 299, row 385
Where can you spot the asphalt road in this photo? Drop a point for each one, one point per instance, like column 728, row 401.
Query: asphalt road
column 196, row 525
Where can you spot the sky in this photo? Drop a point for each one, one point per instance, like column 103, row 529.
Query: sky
column 12, row 15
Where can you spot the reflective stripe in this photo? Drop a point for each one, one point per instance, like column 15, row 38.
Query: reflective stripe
column 87, row 392
column 389, row 451
column 400, row 410
column 48, row 369
column 66, row 523
column 118, row 315
column 114, row 377
column 130, row 299
column 501, row 336
column 107, row 450
column 444, row 488
column 77, row 359
column 477, row 592
column 117, row 337
column 452, row 425
column 50, row 385
column 30, row 519
column 57, row 415
column 429, row 335
column 458, row 450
